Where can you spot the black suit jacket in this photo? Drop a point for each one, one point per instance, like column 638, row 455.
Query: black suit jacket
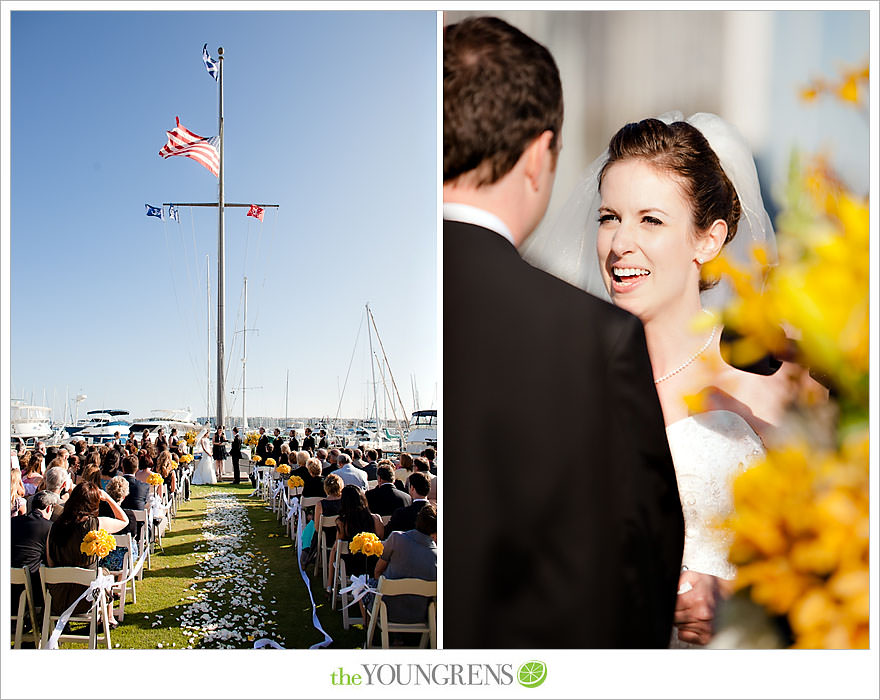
column 524, row 349
column 263, row 446
column 235, row 453
column 138, row 493
column 27, row 537
column 404, row 519
column 309, row 443
column 370, row 468
column 385, row 499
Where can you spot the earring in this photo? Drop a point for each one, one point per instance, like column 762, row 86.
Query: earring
column 699, row 261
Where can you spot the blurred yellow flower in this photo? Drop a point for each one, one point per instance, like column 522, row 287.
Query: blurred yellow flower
column 295, row 482
column 367, row 543
column 154, row 479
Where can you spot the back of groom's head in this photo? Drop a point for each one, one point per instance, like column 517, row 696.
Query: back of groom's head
column 501, row 90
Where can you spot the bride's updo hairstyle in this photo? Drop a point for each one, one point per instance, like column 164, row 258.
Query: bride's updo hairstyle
column 681, row 150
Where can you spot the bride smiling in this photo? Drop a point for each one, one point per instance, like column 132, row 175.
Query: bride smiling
column 666, row 198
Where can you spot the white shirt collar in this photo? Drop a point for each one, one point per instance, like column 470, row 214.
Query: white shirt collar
column 467, row 214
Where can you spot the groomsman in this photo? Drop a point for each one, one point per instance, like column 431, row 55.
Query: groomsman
column 610, row 545
column 236, row 455
column 292, row 442
column 323, row 443
column 276, row 446
column 309, row 442
column 263, row 444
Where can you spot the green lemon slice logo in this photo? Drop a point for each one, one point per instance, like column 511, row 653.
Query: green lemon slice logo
column 532, row 673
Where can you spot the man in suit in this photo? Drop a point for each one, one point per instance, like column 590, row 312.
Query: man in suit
column 330, row 465
column 276, row 445
column 404, row 518
column 263, row 445
column 370, row 466
column 292, row 442
column 236, row 455
column 138, row 491
column 515, row 338
column 27, row 538
column 309, row 442
column 323, row 443
column 384, row 499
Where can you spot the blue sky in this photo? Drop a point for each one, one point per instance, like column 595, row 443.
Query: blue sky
column 332, row 115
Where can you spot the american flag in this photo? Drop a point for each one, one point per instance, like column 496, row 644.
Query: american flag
column 183, row 142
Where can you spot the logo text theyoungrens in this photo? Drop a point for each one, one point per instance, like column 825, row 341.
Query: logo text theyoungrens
column 426, row 674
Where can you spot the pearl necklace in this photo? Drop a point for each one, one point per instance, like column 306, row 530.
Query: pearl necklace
column 688, row 362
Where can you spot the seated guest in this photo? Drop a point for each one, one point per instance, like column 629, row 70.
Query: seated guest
column 145, row 466
column 420, row 465
column 410, row 554
column 93, row 459
column 283, row 454
column 109, row 467
column 430, row 454
column 73, row 467
column 301, row 469
column 32, row 474
column 401, row 475
column 66, row 535
column 385, row 499
column 17, row 495
column 356, row 460
column 313, row 482
column 331, row 465
column 322, row 455
column 27, row 537
column 327, row 506
column 349, row 473
column 92, row 474
column 404, row 519
column 371, row 465
column 118, row 489
column 56, row 481
column 138, row 491
column 354, row 517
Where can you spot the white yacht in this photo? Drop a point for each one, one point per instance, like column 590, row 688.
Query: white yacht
column 422, row 431
column 182, row 419
column 28, row 422
column 101, row 426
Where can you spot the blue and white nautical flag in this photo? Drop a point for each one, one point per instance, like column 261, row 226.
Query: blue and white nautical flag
column 212, row 65
column 155, row 211
column 172, row 213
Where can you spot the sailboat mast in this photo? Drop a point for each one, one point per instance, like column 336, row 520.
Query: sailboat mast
column 208, row 337
column 286, row 397
column 244, row 424
column 221, row 268
column 373, row 371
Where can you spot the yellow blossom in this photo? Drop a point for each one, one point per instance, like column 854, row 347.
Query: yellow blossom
column 97, row 543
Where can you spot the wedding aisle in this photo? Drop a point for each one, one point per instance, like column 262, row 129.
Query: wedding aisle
column 225, row 577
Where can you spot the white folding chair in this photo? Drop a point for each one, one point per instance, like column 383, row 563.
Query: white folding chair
column 323, row 549
column 379, row 613
column 143, row 516
column 340, row 581
column 121, row 575
column 285, row 502
column 26, row 607
column 101, row 609
column 305, row 503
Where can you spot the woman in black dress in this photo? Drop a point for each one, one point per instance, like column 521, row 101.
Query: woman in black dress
column 355, row 517
column 80, row 515
column 219, row 452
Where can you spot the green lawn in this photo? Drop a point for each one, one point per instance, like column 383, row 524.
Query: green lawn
column 251, row 585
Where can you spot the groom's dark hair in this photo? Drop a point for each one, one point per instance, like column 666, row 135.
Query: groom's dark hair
column 501, row 90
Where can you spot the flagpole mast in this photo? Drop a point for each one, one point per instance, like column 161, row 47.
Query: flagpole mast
column 221, row 269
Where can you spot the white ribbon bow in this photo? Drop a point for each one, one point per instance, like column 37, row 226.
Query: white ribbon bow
column 96, row 592
column 292, row 510
column 358, row 589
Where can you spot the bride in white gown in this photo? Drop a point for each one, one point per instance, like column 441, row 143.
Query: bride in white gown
column 204, row 473
column 663, row 200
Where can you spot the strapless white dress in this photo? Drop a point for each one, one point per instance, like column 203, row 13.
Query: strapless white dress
column 709, row 450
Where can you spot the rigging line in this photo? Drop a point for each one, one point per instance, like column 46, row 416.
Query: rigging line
column 393, row 383
column 174, row 287
column 265, row 276
column 350, row 362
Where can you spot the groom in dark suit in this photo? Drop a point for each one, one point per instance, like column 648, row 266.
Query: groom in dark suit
column 586, row 555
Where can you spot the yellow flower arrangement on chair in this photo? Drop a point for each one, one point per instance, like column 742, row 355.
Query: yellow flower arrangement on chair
column 256, row 458
column 186, row 459
column 367, row 543
column 155, row 479
column 295, row 482
column 97, row 543
column 283, row 469
column 270, row 462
